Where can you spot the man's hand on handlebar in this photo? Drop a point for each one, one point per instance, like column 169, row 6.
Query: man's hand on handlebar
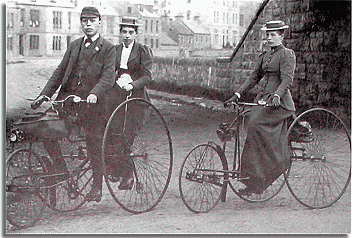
column 38, row 101
column 234, row 98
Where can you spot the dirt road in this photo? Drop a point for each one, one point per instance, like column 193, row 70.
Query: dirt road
column 189, row 125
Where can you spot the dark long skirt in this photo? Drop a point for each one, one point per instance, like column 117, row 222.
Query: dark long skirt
column 264, row 156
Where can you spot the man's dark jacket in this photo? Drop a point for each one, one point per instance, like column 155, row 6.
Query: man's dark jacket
column 99, row 73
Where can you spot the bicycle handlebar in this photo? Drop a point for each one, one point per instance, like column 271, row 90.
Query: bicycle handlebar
column 36, row 104
column 237, row 104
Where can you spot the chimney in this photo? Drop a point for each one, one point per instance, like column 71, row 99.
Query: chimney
column 179, row 17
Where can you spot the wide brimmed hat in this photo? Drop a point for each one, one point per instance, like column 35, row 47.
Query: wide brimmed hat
column 90, row 12
column 129, row 21
column 274, row 25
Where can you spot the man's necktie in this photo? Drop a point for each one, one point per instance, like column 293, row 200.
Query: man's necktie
column 88, row 41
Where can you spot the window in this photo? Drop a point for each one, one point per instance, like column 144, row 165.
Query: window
column 57, row 20
column 151, row 25
column 22, row 12
column 146, row 25
column 10, row 21
column 34, row 18
column 157, row 26
column 129, row 9
column 146, row 41
column 110, row 24
column 56, row 42
column 10, row 43
column 69, row 20
column 216, row 16
column 151, row 43
column 241, row 20
column 34, row 42
column 156, row 43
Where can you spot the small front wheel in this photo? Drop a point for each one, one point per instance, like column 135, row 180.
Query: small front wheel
column 201, row 180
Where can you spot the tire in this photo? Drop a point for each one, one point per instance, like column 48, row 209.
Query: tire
column 199, row 185
column 320, row 161
column 233, row 151
column 24, row 193
column 69, row 194
column 137, row 135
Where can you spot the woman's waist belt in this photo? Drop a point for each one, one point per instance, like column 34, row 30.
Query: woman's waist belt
column 124, row 71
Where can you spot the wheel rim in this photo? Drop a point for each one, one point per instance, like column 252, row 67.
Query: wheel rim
column 200, row 190
column 320, row 169
column 69, row 195
column 24, row 208
column 151, row 155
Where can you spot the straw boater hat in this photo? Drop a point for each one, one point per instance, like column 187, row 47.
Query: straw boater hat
column 129, row 21
column 274, row 25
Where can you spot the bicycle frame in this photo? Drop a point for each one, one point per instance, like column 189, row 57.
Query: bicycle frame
column 50, row 175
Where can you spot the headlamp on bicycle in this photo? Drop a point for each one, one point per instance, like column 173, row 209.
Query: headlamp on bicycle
column 17, row 136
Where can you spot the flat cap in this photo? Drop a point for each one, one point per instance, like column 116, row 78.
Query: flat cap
column 90, row 12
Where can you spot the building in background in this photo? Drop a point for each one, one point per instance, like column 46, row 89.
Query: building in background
column 40, row 28
column 190, row 35
column 220, row 17
column 46, row 27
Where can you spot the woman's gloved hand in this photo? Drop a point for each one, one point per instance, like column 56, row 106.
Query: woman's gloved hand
column 234, row 98
column 276, row 100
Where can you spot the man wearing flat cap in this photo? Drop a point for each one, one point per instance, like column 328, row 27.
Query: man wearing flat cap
column 133, row 74
column 263, row 158
column 86, row 70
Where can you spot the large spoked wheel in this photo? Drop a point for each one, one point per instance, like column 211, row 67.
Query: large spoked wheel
column 200, row 182
column 137, row 147
column 320, row 158
column 25, row 188
column 71, row 188
column 233, row 151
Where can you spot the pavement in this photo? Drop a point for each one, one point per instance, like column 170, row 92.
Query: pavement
column 205, row 103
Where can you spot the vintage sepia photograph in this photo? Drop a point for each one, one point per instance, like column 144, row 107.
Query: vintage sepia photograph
column 177, row 117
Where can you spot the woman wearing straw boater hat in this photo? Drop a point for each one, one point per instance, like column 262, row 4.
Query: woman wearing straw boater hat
column 133, row 74
column 263, row 157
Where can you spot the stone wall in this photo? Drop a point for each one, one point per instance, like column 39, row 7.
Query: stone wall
column 320, row 35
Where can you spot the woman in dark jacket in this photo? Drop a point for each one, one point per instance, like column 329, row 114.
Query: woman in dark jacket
column 263, row 157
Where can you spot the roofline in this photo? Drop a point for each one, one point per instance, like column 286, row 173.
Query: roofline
column 42, row 5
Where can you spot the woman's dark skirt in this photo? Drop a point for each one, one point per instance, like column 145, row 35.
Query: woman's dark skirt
column 264, row 156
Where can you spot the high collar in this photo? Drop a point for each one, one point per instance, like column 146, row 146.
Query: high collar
column 129, row 46
column 94, row 38
column 276, row 48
